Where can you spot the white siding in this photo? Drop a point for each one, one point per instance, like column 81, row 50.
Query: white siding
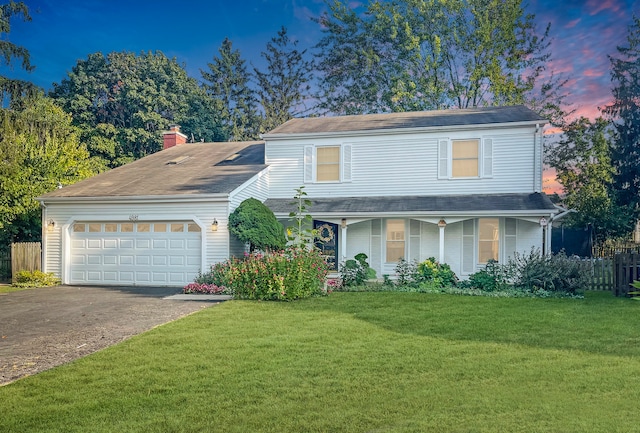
column 358, row 240
column 429, row 241
column 529, row 236
column 215, row 244
column 406, row 165
column 257, row 188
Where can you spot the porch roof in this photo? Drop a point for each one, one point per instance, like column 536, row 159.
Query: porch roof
column 536, row 203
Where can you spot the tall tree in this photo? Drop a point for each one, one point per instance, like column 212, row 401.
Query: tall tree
column 123, row 102
column 285, row 86
column 39, row 150
column 625, row 111
column 228, row 82
column 406, row 55
column 13, row 89
column 584, row 168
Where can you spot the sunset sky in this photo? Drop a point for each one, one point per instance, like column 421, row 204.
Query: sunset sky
column 584, row 33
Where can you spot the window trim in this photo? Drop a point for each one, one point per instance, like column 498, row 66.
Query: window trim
column 386, row 239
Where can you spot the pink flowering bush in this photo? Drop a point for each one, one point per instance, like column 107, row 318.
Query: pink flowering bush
column 294, row 273
column 209, row 289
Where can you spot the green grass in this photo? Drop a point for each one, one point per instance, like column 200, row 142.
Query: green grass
column 355, row 362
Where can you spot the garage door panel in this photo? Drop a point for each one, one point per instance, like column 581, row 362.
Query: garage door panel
column 143, row 244
column 135, row 253
column 159, row 244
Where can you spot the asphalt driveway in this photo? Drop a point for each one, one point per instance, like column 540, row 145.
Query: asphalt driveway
column 45, row 327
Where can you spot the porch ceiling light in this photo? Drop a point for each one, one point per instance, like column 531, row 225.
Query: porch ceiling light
column 51, row 224
column 343, row 223
column 442, row 223
column 214, row 225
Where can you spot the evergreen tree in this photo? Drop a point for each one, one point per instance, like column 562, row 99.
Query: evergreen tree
column 625, row 111
column 285, row 86
column 227, row 82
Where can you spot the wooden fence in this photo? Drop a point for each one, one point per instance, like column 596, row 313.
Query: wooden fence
column 626, row 270
column 26, row 256
column 602, row 275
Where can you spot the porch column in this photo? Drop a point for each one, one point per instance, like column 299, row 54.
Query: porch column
column 343, row 239
column 441, row 225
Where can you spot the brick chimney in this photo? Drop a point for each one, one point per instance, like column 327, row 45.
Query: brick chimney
column 173, row 137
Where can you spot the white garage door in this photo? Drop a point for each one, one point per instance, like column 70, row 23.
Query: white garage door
column 140, row 253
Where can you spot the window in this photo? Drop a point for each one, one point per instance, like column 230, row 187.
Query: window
column 143, row 227
column 328, row 164
column 464, row 158
column 126, row 227
column 488, row 240
column 395, row 240
column 468, row 158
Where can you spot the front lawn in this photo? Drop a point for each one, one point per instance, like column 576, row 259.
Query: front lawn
column 355, row 362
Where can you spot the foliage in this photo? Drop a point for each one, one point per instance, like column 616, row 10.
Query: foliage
column 12, row 89
column 284, row 87
column 227, row 82
column 410, row 55
column 583, row 164
column 494, row 277
column 356, row 271
column 625, row 112
column 35, row 279
column 39, row 150
column 295, row 273
column 554, row 272
column 301, row 233
column 407, row 273
column 122, row 102
column 635, row 294
column 436, row 273
column 204, row 288
column 256, row 224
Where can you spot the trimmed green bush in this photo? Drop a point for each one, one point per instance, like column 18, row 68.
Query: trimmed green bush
column 256, row 224
column 437, row 274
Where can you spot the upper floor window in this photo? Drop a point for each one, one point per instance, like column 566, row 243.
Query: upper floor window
column 327, row 163
column 464, row 158
column 468, row 158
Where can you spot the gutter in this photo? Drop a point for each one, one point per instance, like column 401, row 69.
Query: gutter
column 147, row 198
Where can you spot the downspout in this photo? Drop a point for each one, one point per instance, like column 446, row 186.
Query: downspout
column 538, row 159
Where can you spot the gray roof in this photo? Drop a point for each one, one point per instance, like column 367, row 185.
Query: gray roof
column 417, row 119
column 426, row 204
column 187, row 169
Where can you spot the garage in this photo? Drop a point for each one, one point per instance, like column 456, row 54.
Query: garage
column 160, row 253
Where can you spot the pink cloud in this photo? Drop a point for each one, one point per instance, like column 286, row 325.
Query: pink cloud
column 573, row 23
column 596, row 6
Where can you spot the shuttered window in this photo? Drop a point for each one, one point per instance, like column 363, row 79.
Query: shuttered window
column 488, row 240
column 464, row 158
column 395, row 240
column 327, row 163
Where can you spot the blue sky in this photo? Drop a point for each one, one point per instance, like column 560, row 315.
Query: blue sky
column 584, row 32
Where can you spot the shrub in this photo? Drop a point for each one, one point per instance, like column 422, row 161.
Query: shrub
column 256, row 224
column 494, row 277
column 210, row 289
column 356, row 272
column 295, row 273
column 556, row 273
column 407, row 273
column 35, row 279
column 436, row 274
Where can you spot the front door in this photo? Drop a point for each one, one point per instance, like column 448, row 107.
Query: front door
column 327, row 242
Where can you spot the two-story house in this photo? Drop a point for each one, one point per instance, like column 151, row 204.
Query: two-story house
column 463, row 186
